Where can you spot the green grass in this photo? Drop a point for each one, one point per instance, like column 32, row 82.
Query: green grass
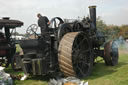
column 18, row 48
column 110, row 75
column 101, row 74
column 32, row 80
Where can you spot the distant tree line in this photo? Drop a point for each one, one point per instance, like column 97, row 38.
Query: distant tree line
column 17, row 34
column 112, row 31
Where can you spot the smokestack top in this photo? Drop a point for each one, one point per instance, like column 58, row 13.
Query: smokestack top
column 92, row 10
column 92, row 6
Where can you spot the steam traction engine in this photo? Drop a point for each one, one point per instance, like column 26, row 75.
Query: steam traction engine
column 70, row 48
column 7, row 44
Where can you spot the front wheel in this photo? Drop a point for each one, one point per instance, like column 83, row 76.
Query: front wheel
column 111, row 53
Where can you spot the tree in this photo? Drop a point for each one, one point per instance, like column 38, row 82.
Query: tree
column 111, row 31
column 100, row 24
column 124, row 31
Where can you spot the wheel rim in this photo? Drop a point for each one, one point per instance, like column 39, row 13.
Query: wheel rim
column 111, row 53
column 81, row 56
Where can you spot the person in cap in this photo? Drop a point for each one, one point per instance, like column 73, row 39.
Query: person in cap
column 43, row 23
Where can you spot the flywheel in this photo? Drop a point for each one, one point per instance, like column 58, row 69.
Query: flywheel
column 75, row 55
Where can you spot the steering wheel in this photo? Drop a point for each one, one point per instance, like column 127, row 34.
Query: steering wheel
column 32, row 29
column 56, row 22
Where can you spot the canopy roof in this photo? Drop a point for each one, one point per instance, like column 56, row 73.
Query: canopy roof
column 6, row 22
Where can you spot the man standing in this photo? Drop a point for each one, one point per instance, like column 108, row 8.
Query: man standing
column 43, row 23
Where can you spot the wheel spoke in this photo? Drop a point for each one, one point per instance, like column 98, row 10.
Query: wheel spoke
column 83, row 74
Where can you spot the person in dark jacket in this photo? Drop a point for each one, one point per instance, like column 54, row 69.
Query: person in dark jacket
column 43, row 23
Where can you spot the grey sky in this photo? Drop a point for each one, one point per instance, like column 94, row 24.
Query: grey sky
column 111, row 11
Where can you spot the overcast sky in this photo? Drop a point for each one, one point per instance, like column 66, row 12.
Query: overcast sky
column 111, row 11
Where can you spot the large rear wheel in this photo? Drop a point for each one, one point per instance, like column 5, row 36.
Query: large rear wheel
column 75, row 55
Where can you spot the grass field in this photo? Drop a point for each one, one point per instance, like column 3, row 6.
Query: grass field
column 101, row 74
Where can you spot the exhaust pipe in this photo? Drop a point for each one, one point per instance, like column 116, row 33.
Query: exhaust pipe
column 92, row 10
